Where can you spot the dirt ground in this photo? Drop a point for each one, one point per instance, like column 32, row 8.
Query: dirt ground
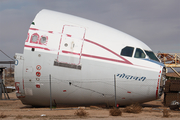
column 14, row 109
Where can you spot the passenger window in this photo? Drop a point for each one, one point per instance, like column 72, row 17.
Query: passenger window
column 139, row 53
column 127, row 51
column 43, row 40
column 34, row 38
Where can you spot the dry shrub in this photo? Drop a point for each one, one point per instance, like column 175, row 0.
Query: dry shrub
column 166, row 113
column 81, row 112
column 19, row 117
column 2, row 115
column 115, row 112
column 134, row 108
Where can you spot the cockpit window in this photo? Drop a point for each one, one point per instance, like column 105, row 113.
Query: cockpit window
column 139, row 53
column 151, row 55
column 127, row 51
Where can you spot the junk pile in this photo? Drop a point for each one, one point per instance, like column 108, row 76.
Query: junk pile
column 172, row 94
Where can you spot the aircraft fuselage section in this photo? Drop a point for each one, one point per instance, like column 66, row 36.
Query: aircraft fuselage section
column 82, row 58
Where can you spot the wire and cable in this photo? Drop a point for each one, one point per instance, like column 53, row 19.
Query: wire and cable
column 7, row 55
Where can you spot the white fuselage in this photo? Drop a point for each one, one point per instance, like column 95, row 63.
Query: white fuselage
column 81, row 58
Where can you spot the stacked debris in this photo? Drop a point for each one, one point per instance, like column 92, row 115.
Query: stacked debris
column 171, row 92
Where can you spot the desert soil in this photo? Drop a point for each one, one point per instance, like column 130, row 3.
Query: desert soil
column 14, row 109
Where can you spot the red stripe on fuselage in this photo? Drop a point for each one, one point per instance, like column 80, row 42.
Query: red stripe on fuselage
column 93, row 56
column 37, row 47
column 33, row 29
column 68, row 52
column 157, row 89
column 125, row 61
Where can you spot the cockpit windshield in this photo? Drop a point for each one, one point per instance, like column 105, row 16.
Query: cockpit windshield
column 151, row 55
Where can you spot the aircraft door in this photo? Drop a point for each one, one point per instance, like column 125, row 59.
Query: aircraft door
column 19, row 78
column 71, row 45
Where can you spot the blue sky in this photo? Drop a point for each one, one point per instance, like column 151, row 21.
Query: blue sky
column 155, row 22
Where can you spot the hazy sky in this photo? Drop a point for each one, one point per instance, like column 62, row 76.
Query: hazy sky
column 155, row 22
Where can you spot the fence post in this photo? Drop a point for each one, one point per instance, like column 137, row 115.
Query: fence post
column 50, row 92
column 115, row 90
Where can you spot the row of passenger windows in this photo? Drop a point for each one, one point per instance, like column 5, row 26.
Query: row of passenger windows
column 37, row 39
column 139, row 53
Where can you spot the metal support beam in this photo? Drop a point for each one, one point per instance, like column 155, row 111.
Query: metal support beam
column 175, row 71
column 7, row 62
column 173, row 65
